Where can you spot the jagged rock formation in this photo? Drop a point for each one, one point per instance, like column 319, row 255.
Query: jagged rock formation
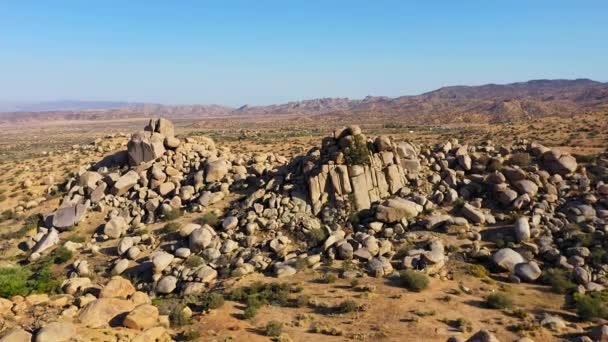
column 384, row 168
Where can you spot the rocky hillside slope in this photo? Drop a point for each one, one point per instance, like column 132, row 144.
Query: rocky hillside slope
column 525, row 212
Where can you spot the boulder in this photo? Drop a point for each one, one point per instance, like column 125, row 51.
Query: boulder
column 105, row 311
column 166, row 284
column 145, row 146
column 527, row 271
column 526, row 186
column 522, row 229
column 396, row 209
column 216, row 170
column 473, row 214
column 125, row 183
column 16, row 334
column 115, row 227
column 483, row 336
column 68, row 216
column 557, row 162
column 57, row 332
column 142, row 317
column 49, row 240
column 89, row 179
column 117, row 287
column 507, row 258
column 162, row 126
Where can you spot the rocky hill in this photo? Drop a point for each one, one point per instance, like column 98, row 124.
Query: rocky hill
column 519, row 213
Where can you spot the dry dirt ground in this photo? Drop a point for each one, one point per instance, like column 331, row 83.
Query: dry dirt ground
column 389, row 312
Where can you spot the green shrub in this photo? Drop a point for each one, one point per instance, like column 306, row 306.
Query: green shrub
column 250, row 312
column 75, row 237
column 259, row 294
column 177, row 316
column 43, row 280
column 329, row 278
column 499, row 301
column 414, row 281
column 37, row 278
column 478, row 271
column 592, row 305
column 346, row 307
column 302, row 301
column 173, row 215
column 316, row 236
column 358, row 153
column 13, row 281
column 209, row 218
column 300, row 264
column 273, row 328
column 558, row 279
column 172, row 227
column 62, row 255
column 212, row 301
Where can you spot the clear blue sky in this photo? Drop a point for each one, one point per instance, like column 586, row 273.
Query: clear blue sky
column 261, row 52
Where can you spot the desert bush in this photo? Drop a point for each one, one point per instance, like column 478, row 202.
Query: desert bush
column 592, row 305
column 211, row 301
column 61, row 255
column 209, row 218
column 558, row 279
column 316, row 236
column 172, row 215
column 302, row 301
column 273, row 328
column 499, row 301
column 172, row 227
column 300, row 264
column 414, row 281
column 36, row 278
column 346, row 307
column 478, row 271
column 13, row 281
column 329, row 278
column 358, row 153
column 326, row 329
column 250, row 312
column 259, row 294
column 464, row 325
column 177, row 317
column 75, row 237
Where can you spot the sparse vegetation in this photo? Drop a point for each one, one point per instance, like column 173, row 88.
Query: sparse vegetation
column 478, row 271
column 499, row 300
column 558, row 279
column 273, row 328
column 209, row 218
column 592, row 305
column 358, row 153
column 414, row 281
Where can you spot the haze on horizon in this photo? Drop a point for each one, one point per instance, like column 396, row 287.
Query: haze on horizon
column 275, row 51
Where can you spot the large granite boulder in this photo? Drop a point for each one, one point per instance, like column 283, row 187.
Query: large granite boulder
column 145, row 146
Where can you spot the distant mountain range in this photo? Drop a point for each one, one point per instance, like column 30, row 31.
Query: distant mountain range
column 486, row 103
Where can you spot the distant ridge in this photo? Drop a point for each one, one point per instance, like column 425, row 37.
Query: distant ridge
column 484, row 103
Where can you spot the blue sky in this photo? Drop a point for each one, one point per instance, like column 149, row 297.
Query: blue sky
column 262, row 52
